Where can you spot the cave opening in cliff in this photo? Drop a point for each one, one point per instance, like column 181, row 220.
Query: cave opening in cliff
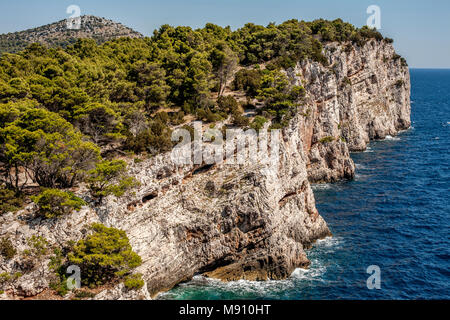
column 149, row 197
column 202, row 169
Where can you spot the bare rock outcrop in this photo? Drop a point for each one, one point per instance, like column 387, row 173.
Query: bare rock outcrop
column 364, row 94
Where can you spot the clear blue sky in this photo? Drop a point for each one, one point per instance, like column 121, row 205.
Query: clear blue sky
column 421, row 29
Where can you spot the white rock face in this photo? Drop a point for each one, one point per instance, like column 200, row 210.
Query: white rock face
column 250, row 221
column 364, row 94
column 120, row 292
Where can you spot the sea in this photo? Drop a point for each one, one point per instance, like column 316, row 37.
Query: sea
column 390, row 225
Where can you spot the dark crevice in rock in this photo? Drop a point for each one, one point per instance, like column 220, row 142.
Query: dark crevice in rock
column 283, row 200
column 149, row 197
column 203, row 169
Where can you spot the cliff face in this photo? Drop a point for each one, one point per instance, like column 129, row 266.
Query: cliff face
column 363, row 95
column 249, row 221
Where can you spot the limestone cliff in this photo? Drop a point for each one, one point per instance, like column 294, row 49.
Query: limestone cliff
column 363, row 95
column 249, row 221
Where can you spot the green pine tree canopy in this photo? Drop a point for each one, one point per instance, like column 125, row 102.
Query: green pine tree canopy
column 60, row 107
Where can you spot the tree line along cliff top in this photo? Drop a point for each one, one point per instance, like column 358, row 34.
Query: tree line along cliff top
column 63, row 108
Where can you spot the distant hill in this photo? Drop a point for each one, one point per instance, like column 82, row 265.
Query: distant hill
column 57, row 34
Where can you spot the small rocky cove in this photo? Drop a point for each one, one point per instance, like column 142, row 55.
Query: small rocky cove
column 231, row 221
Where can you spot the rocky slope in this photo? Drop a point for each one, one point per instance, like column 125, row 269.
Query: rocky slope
column 57, row 34
column 249, row 221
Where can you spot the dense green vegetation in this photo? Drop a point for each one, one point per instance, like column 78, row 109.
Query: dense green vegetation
column 62, row 108
column 102, row 179
column 104, row 255
column 99, row 89
column 10, row 201
column 326, row 139
column 7, row 249
column 134, row 281
column 53, row 203
column 41, row 145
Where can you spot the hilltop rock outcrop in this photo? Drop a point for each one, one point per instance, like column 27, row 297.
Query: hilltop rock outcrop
column 251, row 221
column 59, row 35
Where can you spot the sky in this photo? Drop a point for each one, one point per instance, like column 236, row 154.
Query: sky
column 421, row 29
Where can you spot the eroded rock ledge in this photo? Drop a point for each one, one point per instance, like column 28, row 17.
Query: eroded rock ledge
column 251, row 221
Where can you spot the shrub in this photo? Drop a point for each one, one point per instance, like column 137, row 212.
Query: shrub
column 403, row 62
column 10, row 201
column 99, row 122
column 248, row 81
column 399, row 83
column 7, row 249
column 205, row 114
column 7, row 278
column 138, row 143
column 190, row 129
column 326, row 139
column 82, row 294
column 56, row 264
column 44, row 144
column 38, row 247
column 258, row 122
column 109, row 178
column 54, row 203
column 60, row 287
column 280, row 99
column 227, row 104
column 104, row 255
column 155, row 138
column 240, row 120
column 34, row 256
column 134, row 281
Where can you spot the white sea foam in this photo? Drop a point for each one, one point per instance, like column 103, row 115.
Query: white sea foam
column 322, row 186
column 329, row 242
column 270, row 287
column 317, row 267
column 359, row 166
column 312, row 273
column 360, row 177
column 369, row 149
column 411, row 128
column 388, row 137
column 245, row 287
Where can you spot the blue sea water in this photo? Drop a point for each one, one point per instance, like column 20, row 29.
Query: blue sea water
column 395, row 214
